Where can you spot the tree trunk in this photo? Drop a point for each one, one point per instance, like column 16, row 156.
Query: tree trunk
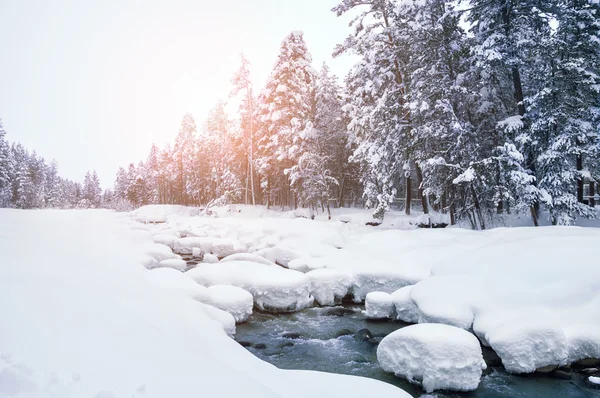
column 592, row 200
column 477, row 207
column 444, row 204
column 408, row 198
column 420, row 182
column 579, row 179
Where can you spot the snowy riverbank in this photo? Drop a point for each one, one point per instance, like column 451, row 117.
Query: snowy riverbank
column 85, row 316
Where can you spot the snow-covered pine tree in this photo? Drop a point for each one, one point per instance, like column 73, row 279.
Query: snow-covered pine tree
column 323, row 163
column 564, row 111
column 242, row 86
column 183, row 153
column 379, row 124
column 285, row 109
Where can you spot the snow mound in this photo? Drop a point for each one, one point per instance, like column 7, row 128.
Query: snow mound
column 165, row 239
column 174, row 263
column 439, row 357
column 273, row 288
column 251, row 257
column 379, row 305
column 329, row 286
column 583, row 341
column 210, row 258
column 220, row 247
column 161, row 213
column 404, row 306
column 234, row 300
column 529, row 344
column 160, row 252
column 594, row 380
column 177, row 282
column 376, row 281
column 307, row 264
column 224, row 318
column 279, row 255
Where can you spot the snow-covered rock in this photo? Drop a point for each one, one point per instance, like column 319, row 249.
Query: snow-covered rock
column 404, row 306
column 210, row 258
column 165, row 239
column 328, row 286
column 439, row 357
column 273, row 288
column 583, row 342
column 307, row 264
column 251, row 257
column 223, row 317
column 529, row 344
column 376, row 281
column 220, row 247
column 594, row 380
column 160, row 252
column 174, row 263
column 379, row 305
column 279, row 255
column 197, row 252
column 234, row 300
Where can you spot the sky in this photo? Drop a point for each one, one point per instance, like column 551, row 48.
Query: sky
column 94, row 83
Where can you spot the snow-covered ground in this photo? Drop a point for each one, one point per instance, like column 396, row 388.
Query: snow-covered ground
column 78, row 278
column 80, row 318
column 532, row 294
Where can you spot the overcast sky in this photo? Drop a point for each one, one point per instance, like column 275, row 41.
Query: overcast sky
column 93, row 83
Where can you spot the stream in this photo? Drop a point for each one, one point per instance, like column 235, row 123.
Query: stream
column 323, row 339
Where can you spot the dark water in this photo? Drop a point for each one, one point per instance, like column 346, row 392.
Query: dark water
column 307, row 340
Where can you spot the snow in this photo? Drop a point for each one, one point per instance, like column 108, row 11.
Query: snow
column 379, row 305
column 329, row 286
column 440, row 357
column 529, row 344
column 273, row 288
column 404, row 306
column 594, row 380
column 177, row 282
column 218, row 246
column 485, row 282
column 160, row 252
column 223, row 317
column 254, row 258
column 210, row 258
column 234, row 300
column 80, row 325
column 174, row 263
column 165, row 239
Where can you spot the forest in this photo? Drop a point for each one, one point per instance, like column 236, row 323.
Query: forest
column 474, row 109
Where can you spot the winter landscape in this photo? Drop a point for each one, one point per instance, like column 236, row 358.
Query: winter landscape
column 410, row 210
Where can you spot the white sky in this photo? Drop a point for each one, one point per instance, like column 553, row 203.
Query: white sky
column 93, row 83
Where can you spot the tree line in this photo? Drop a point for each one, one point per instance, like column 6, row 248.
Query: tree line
column 472, row 108
column 27, row 181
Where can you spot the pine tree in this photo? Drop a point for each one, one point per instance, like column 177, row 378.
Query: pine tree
column 183, row 152
column 6, row 169
column 285, row 110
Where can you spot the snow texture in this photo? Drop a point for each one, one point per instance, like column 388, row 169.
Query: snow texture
column 379, row 305
column 218, row 246
column 440, row 357
column 329, row 286
column 100, row 326
column 273, row 288
column 231, row 299
column 174, row 263
column 404, row 306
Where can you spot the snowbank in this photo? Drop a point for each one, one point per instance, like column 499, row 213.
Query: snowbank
column 404, row 306
column 379, row 305
column 439, row 357
column 234, row 300
column 76, row 325
column 273, row 288
column 251, row 257
column 174, row 263
column 328, row 286
column 218, row 246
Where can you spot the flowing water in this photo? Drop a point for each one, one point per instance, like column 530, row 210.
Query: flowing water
column 323, row 339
